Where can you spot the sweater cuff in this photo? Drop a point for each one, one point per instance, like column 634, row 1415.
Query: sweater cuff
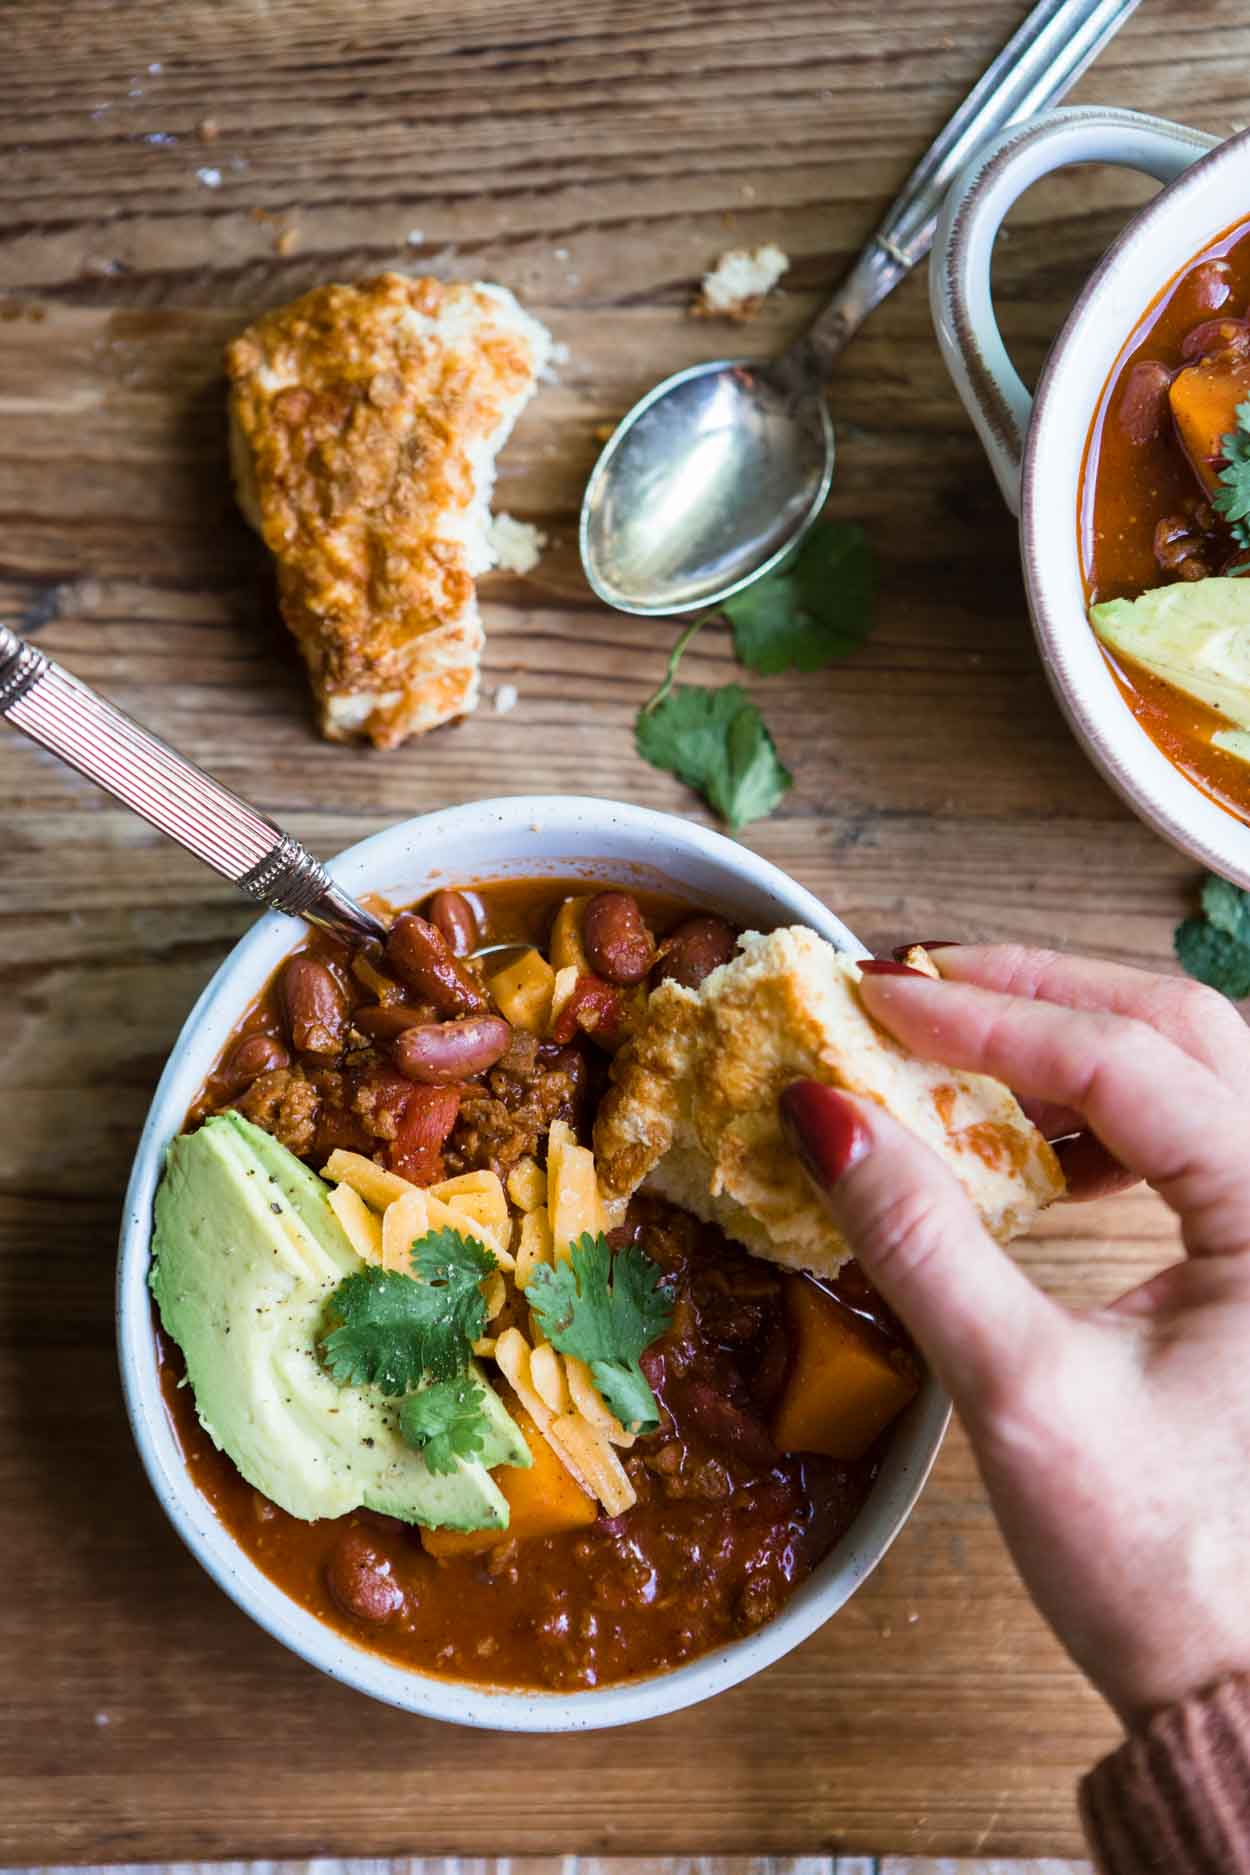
column 1175, row 1797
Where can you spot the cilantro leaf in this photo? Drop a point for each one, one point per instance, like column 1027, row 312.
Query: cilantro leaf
column 445, row 1422
column 717, row 742
column 392, row 1330
column 606, row 1310
column 458, row 1263
column 1214, row 956
column 816, row 607
column 1232, row 497
column 1227, row 907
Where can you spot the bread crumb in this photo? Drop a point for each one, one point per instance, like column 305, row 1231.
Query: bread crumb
column 516, row 546
column 287, row 241
column 506, row 698
column 558, row 355
column 208, row 130
column 739, row 281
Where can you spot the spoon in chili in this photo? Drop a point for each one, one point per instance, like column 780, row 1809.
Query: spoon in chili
column 171, row 794
column 716, row 475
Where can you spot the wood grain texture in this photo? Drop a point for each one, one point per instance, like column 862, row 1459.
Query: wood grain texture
column 595, row 155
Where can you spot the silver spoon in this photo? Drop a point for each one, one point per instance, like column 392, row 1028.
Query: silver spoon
column 719, row 471
column 145, row 774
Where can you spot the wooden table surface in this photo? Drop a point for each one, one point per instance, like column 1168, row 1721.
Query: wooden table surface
column 595, row 155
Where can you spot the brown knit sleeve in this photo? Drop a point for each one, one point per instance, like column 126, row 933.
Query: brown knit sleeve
column 1175, row 1798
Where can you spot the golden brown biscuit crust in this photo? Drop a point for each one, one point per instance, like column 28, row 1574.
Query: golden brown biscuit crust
column 693, row 1105
column 358, row 423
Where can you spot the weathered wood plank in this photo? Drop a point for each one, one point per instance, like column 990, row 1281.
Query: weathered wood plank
column 596, row 156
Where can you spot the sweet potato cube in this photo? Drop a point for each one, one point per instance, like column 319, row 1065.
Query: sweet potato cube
column 541, row 1501
column 844, row 1386
column 1204, row 399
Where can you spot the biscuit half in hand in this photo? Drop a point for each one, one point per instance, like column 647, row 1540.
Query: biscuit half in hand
column 365, row 421
column 693, row 1105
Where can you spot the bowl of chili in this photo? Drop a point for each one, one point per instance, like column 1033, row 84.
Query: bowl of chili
column 742, row 1559
column 1094, row 463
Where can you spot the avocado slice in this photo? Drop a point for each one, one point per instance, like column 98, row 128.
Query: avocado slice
column 246, row 1252
column 1194, row 635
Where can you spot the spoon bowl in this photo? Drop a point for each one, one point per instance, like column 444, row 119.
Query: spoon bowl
column 707, row 483
column 720, row 470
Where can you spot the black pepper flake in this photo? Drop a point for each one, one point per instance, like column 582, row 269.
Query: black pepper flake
column 276, row 1209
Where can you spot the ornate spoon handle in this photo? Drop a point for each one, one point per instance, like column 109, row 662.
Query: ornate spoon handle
column 153, row 780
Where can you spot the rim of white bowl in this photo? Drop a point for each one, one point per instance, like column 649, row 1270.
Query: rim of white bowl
column 529, row 822
column 1108, row 309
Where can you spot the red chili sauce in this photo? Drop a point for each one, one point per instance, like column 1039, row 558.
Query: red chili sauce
column 1145, row 517
column 725, row 1526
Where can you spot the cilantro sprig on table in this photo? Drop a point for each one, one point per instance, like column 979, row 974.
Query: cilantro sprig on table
column 811, row 610
column 606, row 1308
column 1232, row 498
column 1215, row 947
column 445, row 1422
column 392, row 1331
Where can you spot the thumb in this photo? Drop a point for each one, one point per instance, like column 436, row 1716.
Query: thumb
column 968, row 1307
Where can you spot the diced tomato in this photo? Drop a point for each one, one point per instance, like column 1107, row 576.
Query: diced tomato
column 595, row 1007
column 416, row 1152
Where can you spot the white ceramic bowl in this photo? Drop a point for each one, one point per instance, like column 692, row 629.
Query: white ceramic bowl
column 527, row 836
column 1036, row 446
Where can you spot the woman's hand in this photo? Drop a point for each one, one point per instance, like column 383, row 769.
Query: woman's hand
column 1115, row 1444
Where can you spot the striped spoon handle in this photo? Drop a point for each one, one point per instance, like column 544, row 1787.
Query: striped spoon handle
column 155, row 782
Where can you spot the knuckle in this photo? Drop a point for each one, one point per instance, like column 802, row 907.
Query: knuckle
column 438, row 1053
column 618, row 943
column 906, row 1230
column 1204, row 1013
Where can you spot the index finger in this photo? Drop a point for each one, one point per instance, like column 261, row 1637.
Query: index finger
column 1199, row 1020
column 1161, row 1113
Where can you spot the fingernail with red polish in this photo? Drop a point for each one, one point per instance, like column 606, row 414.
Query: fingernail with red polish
column 924, row 944
column 826, row 1130
column 887, row 967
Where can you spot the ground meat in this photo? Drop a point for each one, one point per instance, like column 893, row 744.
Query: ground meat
column 285, row 1103
column 503, row 1120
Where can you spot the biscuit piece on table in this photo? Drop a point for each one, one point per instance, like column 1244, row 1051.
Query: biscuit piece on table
column 365, row 421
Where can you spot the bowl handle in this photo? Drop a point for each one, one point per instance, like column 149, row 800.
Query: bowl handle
column 959, row 272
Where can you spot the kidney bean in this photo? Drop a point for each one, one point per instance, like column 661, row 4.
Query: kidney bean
column 1224, row 333
column 453, row 915
column 251, row 1056
column 1144, row 401
column 1215, row 335
column 695, row 949
column 416, row 1152
column 359, row 1578
column 618, row 943
column 438, row 1053
column 315, row 1007
column 420, row 954
column 389, row 1020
